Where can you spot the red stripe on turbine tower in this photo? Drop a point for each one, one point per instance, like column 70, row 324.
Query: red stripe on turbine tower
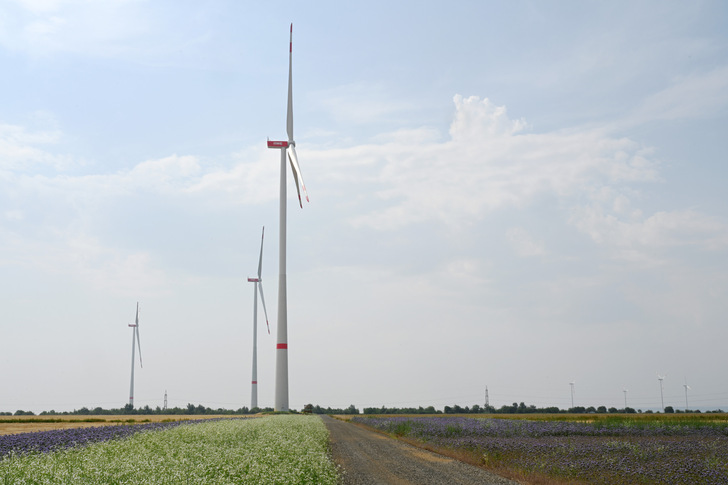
column 282, row 346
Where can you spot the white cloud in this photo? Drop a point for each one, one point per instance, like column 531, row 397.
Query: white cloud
column 20, row 149
column 166, row 174
column 523, row 243
column 693, row 96
column 45, row 28
column 639, row 238
column 476, row 121
column 489, row 164
column 359, row 103
column 75, row 257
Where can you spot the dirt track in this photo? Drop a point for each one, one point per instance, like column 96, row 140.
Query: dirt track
column 369, row 458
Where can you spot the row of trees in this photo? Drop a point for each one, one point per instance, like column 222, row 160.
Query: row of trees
column 514, row 408
column 190, row 409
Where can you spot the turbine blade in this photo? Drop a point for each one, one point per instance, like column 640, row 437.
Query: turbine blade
column 137, row 314
column 289, row 117
column 262, row 299
column 293, row 158
column 139, row 344
column 260, row 259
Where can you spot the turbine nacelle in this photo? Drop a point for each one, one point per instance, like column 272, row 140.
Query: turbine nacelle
column 259, row 280
column 135, row 336
column 290, row 148
column 277, row 144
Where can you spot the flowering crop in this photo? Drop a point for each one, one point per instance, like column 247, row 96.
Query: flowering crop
column 616, row 453
column 274, row 449
column 47, row 441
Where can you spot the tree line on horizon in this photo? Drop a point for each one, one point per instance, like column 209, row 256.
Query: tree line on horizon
column 199, row 409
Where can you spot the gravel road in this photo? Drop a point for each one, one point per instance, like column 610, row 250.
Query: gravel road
column 369, row 458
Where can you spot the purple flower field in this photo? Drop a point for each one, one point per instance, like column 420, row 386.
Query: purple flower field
column 47, row 441
column 618, row 453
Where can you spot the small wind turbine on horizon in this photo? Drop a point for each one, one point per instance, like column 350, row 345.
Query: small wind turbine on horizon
column 662, row 400
column 286, row 148
column 625, row 397
column 572, row 392
column 257, row 285
column 686, row 393
column 134, row 343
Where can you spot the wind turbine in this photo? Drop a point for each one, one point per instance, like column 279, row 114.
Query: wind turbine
column 662, row 400
column 625, row 397
column 134, row 343
column 258, row 285
column 572, row 392
column 286, row 148
column 686, row 393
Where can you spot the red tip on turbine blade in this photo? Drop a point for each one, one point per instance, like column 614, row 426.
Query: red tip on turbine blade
column 266, row 324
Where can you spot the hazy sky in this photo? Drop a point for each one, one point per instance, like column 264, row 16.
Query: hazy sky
column 514, row 194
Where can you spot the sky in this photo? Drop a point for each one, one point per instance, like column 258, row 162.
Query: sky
column 505, row 195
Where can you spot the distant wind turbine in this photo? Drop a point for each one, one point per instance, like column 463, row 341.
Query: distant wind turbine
column 625, row 397
column 686, row 393
column 286, row 148
column 134, row 343
column 662, row 400
column 258, row 285
column 572, row 392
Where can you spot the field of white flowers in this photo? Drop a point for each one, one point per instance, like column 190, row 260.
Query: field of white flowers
column 281, row 449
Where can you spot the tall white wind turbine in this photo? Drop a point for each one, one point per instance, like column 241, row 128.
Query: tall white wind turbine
column 134, row 343
column 662, row 400
column 686, row 394
column 286, row 148
column 257, row 286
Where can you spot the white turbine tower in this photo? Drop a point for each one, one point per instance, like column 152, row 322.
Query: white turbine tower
column 686, row 394
column 625, row 397
column 572, row 392
column 258, row 285
column 289, row 148
column 134, row 343
column 662, row 400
